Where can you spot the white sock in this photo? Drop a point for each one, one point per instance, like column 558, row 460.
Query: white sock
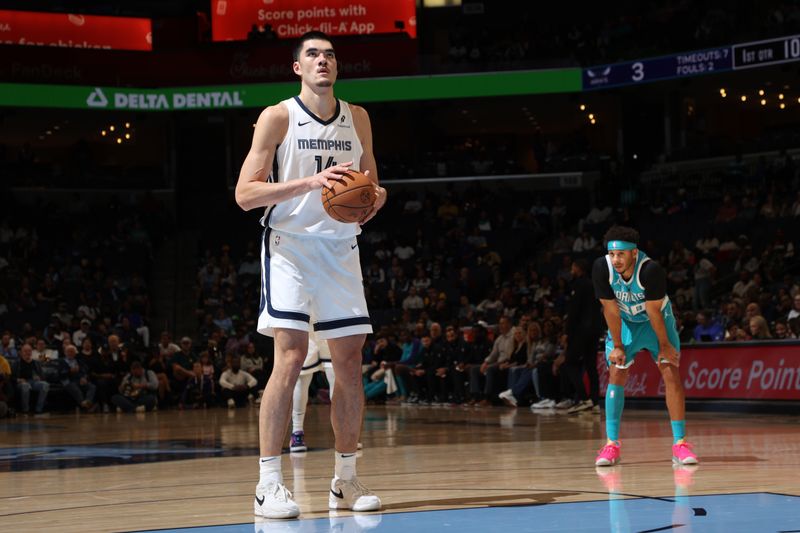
column 345, row 465
column 299, row 402
column 331, row 381
column 269, row 470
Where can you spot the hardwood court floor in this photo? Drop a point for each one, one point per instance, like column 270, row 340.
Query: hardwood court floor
column 196, row 468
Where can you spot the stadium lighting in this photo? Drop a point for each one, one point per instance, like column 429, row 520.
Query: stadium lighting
column 723, row 93
column 127, row 125
column 111, row 128
column 119, row 140
column 593, row 121
column 127, row 135
column 103, row 133
column 591, row 116
column 583, row 107
column 48, row 132
column 780, row 96
column 744, row 98
column 763, row 101
column 761, row 92
column 783, row 106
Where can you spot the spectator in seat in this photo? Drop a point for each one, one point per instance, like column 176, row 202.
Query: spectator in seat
column 29, row 377
column 759, row 330
column 237, row 385
column 137, row 392
column 413, row 302
column 160, row 366
column 75, row 379
column 782, row 331
column 6, row 386
column 199, row 391
column 253, row 364
column 707, row 329
column 490, row 373
column 82, row 333
column 795, row 312
column 7, row 347
column 742, row 287
column 180, row 365
column 103, row 372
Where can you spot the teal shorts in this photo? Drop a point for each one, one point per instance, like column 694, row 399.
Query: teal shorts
column 638, row 336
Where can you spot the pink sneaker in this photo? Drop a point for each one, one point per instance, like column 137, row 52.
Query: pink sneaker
column 682, row 454
column 608, row 455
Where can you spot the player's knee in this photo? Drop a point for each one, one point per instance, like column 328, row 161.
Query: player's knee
column 290, row 361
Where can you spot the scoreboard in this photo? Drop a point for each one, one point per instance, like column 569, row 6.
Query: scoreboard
column 696, row 63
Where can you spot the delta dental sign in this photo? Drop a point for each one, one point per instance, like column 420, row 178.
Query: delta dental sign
column 165, row 100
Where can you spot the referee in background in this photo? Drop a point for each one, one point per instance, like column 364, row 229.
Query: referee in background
column 584, row 326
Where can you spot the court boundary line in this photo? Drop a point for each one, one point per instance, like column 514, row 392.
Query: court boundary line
column 631, row 497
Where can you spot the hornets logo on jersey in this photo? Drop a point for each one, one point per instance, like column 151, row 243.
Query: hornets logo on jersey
column 630, row 294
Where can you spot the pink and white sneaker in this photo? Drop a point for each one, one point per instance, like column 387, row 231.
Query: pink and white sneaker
column 608, row 455
column 682, row 454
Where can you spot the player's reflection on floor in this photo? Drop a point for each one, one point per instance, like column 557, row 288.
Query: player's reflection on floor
column 682, row 511
column 356, row 523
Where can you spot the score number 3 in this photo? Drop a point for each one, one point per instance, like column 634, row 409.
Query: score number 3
column 638, row 71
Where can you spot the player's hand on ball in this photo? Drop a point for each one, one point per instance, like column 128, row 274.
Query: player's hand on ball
column 669, row 355
column 380, row 199
column 327, row 176
column 617, row 357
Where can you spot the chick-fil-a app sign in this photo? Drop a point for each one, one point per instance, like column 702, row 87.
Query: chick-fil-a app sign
column 75, row 31
column 757, row 371
column 233, row 20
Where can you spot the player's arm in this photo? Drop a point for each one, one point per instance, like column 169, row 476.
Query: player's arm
column 253, row 190
column 604, row 293
column 367, row 164
column 654, row 281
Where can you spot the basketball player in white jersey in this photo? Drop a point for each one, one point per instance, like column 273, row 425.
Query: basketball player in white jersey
column 310, row 266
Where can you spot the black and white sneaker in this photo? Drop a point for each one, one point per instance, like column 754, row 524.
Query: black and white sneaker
column 352, row 495
column 275, row 501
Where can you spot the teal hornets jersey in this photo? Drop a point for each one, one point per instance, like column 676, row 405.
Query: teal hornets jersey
column 630, row 294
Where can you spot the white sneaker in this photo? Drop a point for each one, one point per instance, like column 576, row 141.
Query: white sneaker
column 275, row 501
column 231, row 403
column 352, row 495
column 580, row 406
column 543, row 404
column 508, row 398
column 564, row 404
column 140, row 409
column 359, row 446
column 596, row 409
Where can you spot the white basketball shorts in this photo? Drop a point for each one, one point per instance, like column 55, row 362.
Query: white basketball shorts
column 305, row 276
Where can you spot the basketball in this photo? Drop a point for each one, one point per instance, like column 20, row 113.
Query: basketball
column 349, row 199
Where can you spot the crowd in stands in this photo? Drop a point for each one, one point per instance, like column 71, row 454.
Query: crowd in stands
column 468, row 288
column 496, row 38
column 75, row 317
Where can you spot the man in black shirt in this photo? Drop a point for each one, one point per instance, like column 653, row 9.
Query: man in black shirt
column 583, row 330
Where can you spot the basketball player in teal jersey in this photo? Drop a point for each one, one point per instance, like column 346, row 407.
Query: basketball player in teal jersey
column 633, row 291
column 310, row 266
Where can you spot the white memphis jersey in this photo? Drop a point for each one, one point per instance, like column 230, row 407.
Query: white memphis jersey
column 310, row 146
